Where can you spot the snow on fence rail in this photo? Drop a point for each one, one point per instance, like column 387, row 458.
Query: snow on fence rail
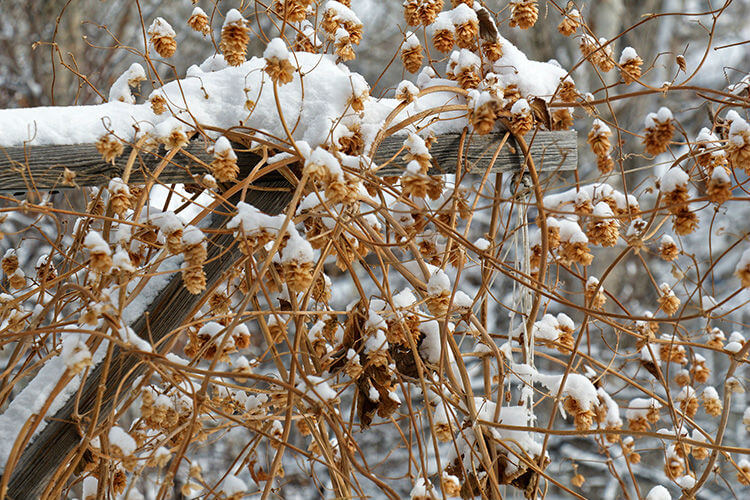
column 43, row 167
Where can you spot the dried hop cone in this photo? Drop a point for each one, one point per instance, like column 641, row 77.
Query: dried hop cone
column 466, row 25
column 422, row 12
column 158, row 104
column 484, row 112
column 110, row 147
column 659, row 131
column 10, row 262
column 524, row 14
column 294, row 11
column 739, row 143
column 570, row 23
column 630, row 65
column 668, row 300
column 194, row 252
column 719, row 186
column 234, row 38
column 444, row 36
column 101, row 254
column 278, row 64
column 120, row 198
column 492, row 50
column 224, row 166
column 297, row 262
column 522, row 120
column 411, row 53
column 199, row 21
column 567, row 91
column 668, row 248
column 598, row 138
column 162, row 37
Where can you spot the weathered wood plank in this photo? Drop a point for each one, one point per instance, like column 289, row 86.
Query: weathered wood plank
column 42, row 167
column 171, row 307
column 549, row 150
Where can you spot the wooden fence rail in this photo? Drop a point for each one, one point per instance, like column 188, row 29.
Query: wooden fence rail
column 42, row 167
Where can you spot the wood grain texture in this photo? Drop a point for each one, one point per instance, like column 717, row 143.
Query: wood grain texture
column 171, row 307
column 42, row 167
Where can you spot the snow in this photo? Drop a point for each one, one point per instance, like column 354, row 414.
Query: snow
column 662, row 116
column 233, row 485
column 416, row 146
column 233, row 17
column 297, row 249
column 421, row 489
column 249, row 219
column 276, row 49
column 118, row 437
column 192, row 235
column 430, row 346
column 546, row 328
column 316, row 388
column 465, row 59
column 90, row 485
column 687, row 393
column 571, row 232
column 638, row 407
column 404, row 299
column 658, row 492
column 482, row 244
column 710, row 393
column 342, row 13
column 410, row 41
column 120, row 90
column 439, row 282
column 406, row 88
column 95, row 243
column 520, row 107
column 736, row 342
column 254, row 402
column 121, row 261
column 160, row 27
column 222, row 147
column 612, row 418
column 577, row 386
column 462, row 300
column 628, row 54
column 673, row 179
column 601, row 209
column 463, row 14
column 443, row 22
column 74, row 350
column 600, row 127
